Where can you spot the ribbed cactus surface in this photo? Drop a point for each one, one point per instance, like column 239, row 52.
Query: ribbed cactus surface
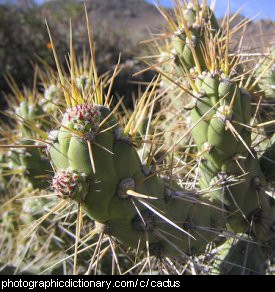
column 117, row 190
column 97, row 161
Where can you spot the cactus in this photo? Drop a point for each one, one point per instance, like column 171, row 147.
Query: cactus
column 101, row 184
column 142, row 209
column 53, row 95
column 184, row 50
column 140, row 202
column 241, row 257
column 226, row 158
column 267, row 81
column 267, row 161
column 194, row 22
column 30, row 160
column 265, row 72
column 33, row 164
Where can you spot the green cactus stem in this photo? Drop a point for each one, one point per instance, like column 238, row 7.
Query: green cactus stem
column 31, row 160
column 241, row 257
column 267, row 81
column 267, row 161
column 229, row 165
column 133, row 202
column 193, row 29
column 33, row 164
column 53, row 95
column 266, row 89
column 30, row 114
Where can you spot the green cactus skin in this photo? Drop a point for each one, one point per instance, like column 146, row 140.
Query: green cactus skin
column 267, row 161
column 83, row 83
column 171, row 68
column 53, row 95
column 97, row 166
column 250, row 210
column 32, row 161
column 178, row 57
column 222, row 104
column 266, row 89
column 243, row 257
column 267, row 82
column 35, row 166
column 197, row 28
column 31, row 114
column 103, row 193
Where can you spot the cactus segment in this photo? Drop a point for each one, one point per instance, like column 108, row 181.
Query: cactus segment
column 243, row 257
column 192, row 33
column 267, row 161
column 228, row 166
column 116, row 193
column 31, row 161
column 33, row 164
column 30, row 114
column 213, row 130
column 83, row 83
column 53, row 95
column 97, row 166
column 267, row 82
column 266, row 89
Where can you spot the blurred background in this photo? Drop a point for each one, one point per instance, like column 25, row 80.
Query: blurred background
column 118, row 26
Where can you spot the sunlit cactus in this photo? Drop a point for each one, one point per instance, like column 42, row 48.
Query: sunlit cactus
column 206, row 188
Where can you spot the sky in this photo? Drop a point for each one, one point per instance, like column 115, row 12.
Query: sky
column 251, row 8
